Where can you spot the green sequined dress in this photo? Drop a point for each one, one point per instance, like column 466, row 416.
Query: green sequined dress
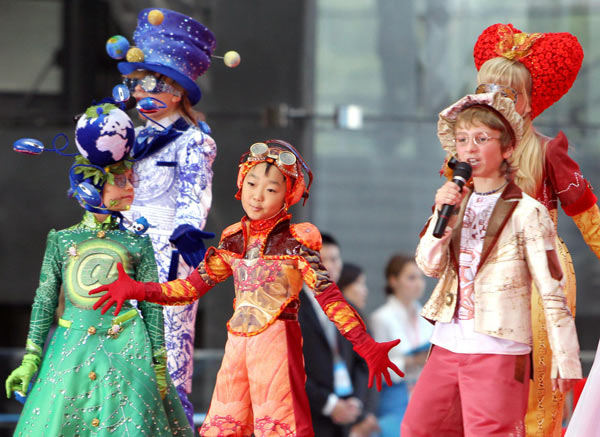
column 97, row 375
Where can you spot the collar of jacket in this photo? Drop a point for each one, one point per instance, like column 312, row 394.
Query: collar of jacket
column 89, row 221
column 508, row 201
column 237, row 241
column 151, row 140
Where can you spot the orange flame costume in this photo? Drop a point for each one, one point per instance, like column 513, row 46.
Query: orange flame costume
column 260, row 385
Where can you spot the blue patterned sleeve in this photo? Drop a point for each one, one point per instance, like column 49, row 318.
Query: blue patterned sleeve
column 194, row 173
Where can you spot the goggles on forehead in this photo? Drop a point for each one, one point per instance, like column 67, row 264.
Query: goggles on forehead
column 151, row 84
column 283, row 159
column 505, row 91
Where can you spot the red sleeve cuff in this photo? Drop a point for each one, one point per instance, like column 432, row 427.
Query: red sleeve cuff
column 330, row 294
column 585, row 202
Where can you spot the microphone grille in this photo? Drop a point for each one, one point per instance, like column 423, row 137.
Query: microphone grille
column 463, row 170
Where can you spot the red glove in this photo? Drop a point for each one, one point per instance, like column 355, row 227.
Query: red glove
column 119, row 291
column 375, row 354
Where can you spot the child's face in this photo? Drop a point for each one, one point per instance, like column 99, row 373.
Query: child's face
column 486, row 158
column 263, row 194
column 118, row 197
column 409, row 284
column 171, row 101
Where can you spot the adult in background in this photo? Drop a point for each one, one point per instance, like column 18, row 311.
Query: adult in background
column 335, row 376
column 400, row 314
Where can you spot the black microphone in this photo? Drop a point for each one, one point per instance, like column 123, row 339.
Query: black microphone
column 460, row 176
column 130, row 104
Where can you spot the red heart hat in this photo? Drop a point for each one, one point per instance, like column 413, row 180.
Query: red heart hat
column 553, row 59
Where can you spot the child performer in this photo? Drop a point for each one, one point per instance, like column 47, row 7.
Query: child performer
column 538, row 69
column 476, row 380
column 100, row 375
column 173, row 163
column 260, row 386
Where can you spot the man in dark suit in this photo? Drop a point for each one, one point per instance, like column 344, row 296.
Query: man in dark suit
column 331, row 364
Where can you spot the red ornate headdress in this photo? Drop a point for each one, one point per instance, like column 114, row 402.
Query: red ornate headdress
column 553, row 59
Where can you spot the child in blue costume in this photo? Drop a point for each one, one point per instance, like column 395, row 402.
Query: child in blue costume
column 99, row 375
column 173, row 163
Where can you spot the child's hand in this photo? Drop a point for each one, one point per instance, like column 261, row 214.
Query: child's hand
column 449, row 194
column 119, row 291
column 20, row 377
column 564, row 385
column 376, row 356
column 346, row 411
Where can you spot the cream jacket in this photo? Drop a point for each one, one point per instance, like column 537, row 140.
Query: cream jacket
column 519, row 246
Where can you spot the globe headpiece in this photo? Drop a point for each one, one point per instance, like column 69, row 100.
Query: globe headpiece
column 171, row 44
column 104, row 136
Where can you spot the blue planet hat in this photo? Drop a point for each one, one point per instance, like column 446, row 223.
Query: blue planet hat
column 104, row 136
column 171, row 44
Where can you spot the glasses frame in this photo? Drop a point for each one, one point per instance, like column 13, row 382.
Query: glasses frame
column 120, row 180
column 476, row 139
column 505, row 91
column 150, row 84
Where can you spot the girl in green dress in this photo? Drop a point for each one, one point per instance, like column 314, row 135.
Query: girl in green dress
column 100, row 375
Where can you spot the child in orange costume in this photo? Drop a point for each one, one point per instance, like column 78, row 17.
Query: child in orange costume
column 538, row 69
column 260, row 386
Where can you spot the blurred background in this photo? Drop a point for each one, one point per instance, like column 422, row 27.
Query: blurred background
column 355, row 85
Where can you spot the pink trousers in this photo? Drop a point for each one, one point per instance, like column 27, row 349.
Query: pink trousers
column 470, row 395
column 260, row 387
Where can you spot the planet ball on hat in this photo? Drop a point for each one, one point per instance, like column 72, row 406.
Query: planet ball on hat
column 104, row 134
column 117, row 47
column 135, row 54
column 232, row 59
column 155, row 17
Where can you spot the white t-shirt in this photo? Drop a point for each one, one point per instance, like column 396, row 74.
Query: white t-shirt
column 393, row 320
column 459, row 335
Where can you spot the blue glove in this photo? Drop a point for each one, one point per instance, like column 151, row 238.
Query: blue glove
column 189, row 241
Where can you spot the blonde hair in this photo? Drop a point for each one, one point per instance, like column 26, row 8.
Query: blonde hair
column 484, row 115
column 184, row 107
column 528, row 157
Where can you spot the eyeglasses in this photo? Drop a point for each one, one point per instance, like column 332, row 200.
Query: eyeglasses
column 505, row 91
column 151, row 84
column 285, row 161
column 120, row 180
column 480, row 139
